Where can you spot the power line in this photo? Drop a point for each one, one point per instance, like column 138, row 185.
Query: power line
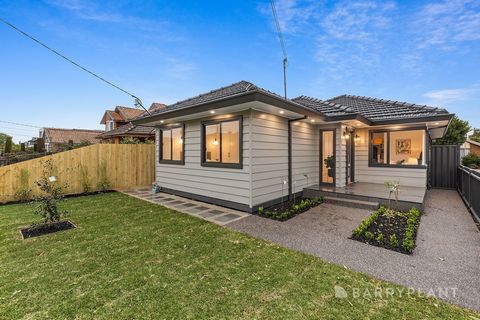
column 137, row 103
column 21, row 124
column 282, row 44
column 20, row 129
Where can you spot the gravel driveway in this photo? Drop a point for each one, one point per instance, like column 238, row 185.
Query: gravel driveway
column 447, row 256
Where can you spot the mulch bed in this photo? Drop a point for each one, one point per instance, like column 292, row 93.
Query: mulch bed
column 391, row 223
column 289, row 209
column 41, row 229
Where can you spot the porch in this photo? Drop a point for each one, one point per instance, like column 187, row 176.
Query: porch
column 370, row 193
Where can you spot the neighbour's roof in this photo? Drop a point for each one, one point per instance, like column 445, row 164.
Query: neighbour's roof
column 59, row 135
column 128, row 129
column 122, row 114
column 339, row 108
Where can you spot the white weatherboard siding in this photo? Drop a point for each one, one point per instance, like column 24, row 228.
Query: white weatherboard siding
column 270, row 156
column 220, row 183
column 364, row 173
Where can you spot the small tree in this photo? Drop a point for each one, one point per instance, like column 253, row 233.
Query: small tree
column 86, row 181
column 103, row 181
column 456, row 133
column 52, row 192
column 393, row 188
column 23, row 193
column 8, row 145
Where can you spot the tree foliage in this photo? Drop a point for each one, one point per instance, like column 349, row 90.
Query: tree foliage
column 456, row 133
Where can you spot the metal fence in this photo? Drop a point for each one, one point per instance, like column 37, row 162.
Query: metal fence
column 469, row 189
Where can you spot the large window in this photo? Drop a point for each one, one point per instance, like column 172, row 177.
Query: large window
column 397, row 148
column 221, row 143
column 171, row 149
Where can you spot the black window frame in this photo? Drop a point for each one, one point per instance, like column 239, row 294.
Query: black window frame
column 160, row 159
column 221, row 164
column 387, row 145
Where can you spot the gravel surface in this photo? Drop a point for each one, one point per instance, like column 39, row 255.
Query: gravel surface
column 447, row 256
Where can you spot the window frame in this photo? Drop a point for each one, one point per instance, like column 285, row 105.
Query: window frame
column 387, row 145
column 160, row 141
column 221, row 164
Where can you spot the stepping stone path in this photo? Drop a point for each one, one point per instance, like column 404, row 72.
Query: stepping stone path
column 202, row 210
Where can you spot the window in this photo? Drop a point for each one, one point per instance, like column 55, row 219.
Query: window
column 221, row 143
column 397, row 148
column 110, row 125
column 172, row 147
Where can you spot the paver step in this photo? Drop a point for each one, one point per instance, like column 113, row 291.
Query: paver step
column 352, row 203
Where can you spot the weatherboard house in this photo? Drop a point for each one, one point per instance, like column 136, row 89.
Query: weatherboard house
column 243, row 147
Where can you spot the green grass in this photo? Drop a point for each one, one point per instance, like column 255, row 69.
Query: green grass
column 131, row 259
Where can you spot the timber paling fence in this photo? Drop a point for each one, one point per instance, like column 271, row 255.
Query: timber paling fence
column 124, row 165
column 469, row 189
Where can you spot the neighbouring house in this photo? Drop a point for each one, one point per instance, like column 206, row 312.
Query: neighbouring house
column 243, row 147
column 58, row 139
column 474, row 147
column 118, row 124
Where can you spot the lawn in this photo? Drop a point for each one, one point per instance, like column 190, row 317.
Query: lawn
column 132, row 259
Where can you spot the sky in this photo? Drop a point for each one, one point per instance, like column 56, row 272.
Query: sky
column 425, row 52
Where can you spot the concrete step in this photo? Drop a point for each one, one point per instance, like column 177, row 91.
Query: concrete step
column 352, row 203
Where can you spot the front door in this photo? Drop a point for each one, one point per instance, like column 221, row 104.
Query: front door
column 327, row 156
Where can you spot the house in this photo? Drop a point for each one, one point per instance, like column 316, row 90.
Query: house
column 118, row 124
column 58, row 139
column 474, row 146
column 243, row 147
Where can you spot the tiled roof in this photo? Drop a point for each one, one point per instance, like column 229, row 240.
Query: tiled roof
column 128, row 129
column 58, row 135
column 220, row 93
column 379, row 109
column 329, row 109
column 128, row 113
column 345, row 106
column 157, row 106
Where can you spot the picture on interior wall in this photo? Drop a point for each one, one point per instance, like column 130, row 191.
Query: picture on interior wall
column 404, row 146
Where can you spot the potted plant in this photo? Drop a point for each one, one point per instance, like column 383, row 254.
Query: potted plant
column 330, row 164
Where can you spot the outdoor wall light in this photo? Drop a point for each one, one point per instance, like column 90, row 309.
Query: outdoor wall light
column 357, row 138
column 212, row 111
column 346, row 135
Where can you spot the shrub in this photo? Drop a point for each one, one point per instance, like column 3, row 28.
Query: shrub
column 52, row 192
column 103, row 181
column 260, row 211
column 472, row 161
column 86, row 181
column 369, row 235
column 393, row 240
column 24, row 193
column 408, row 242
column 380, row 238
column 368, row 221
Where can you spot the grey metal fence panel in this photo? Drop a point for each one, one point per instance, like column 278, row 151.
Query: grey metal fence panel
column 444, row 162
column 469, row 189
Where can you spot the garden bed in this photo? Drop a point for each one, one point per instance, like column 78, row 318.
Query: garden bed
column 390, row 229
column 46, row 228
column 289, row 209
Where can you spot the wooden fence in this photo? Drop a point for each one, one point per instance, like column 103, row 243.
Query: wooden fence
column 125, row 166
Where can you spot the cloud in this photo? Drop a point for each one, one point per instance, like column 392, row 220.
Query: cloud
column 293, row 15
column 350, row 35
column 90, row 10
column 449, row 96
column 446, row 24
